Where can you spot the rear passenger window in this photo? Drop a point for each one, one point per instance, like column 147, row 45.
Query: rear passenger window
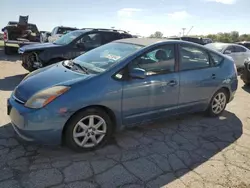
column 231, row 49
column 216, row 59
column 109, row 37
column 240, row 49
column 193, row 57
column 124, row 36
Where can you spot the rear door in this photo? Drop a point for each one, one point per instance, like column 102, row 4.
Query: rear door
column 198, row 78
column 110, row 36
column 232, row 53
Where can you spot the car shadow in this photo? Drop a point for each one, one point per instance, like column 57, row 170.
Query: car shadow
column 9, row 83
column 14, row 56
column 176, row 146
column 246, row 88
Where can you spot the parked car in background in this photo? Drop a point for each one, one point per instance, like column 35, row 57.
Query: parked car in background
column 56, row 33
column 127, row 82
column 19, row 34
column 68, row 46
column 207, row 40
column 198, row 40
column 244, row 43
column 238, row 52
column 245, row 76
column 44, row 36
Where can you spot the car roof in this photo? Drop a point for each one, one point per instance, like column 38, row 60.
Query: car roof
column 151, row 41
column 226, row 44
column 15, row 22
column 66, row 27
column 83, row 30
column 243, row 42
column 143, row 41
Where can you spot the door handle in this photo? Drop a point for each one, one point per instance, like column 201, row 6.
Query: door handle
column 172, row 83
column 213, row 76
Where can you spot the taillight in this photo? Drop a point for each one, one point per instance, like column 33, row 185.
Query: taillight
column 5, row 36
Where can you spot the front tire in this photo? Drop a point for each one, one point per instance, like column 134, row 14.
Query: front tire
column 88, row 130
column 27, row 62
column 218, row 103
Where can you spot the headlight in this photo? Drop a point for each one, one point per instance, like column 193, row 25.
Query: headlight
column 20, row 50
column 46, row 96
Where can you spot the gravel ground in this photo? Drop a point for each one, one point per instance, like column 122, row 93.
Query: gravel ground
column 188, row 151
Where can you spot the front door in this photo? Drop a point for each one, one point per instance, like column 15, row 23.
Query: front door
column 157, row 94
column 198, row 78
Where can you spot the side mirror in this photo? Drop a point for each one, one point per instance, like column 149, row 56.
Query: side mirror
column 80, row 45
column 227, row 52
column 137, row 73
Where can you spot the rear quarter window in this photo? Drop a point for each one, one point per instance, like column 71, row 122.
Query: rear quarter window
column 123, row 36
column 216, row 59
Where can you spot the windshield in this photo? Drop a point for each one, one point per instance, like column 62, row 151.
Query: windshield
column 68, row 38
column 64, row 30
column 216, row 46
column 104, row 57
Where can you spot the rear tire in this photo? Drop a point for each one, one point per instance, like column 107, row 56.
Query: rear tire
column 7, row 50
column 88, row 130
column 218, row 103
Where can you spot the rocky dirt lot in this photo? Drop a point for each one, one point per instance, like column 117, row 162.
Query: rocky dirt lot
column 188, row 151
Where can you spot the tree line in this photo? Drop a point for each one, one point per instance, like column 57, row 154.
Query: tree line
column 229, row 37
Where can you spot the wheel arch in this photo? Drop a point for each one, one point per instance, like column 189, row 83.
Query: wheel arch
column 110, row 113
column 227, row 92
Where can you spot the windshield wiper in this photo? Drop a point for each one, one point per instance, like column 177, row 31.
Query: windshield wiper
column 84, row 69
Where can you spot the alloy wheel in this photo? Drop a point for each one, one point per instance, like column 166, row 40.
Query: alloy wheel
column 89, row 131
column 219, row 103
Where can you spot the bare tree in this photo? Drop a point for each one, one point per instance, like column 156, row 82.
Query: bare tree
column 157, row 34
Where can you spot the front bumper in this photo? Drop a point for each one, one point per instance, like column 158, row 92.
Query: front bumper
column 41, row 126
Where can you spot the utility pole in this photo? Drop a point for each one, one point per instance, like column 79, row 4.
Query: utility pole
column 190, row 30
column 183, row 31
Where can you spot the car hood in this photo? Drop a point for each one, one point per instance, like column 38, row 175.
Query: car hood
column 47, row 77
column 42, row 46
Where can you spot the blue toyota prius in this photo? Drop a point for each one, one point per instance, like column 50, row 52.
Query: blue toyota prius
column 84, row 101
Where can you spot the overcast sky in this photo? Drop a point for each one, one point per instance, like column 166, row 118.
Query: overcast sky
column 137, row 16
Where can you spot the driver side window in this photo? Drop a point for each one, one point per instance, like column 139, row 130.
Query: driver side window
column 90, row 41
column 231, row 49
column 160, row 60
